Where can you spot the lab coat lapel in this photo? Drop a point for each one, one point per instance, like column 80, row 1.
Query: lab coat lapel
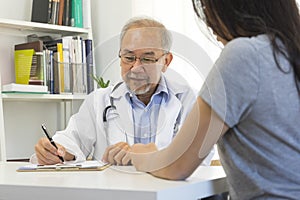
column 125, row 120
column 168, row 114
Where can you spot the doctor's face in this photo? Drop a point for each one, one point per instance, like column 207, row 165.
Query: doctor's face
column 142, row 59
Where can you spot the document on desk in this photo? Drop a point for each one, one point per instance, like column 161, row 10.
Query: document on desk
column 91, row 165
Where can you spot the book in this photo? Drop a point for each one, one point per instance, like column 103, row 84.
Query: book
column 51, row 70
column 61, row 67
column 56, row 75
column 52, row 44
column 39, row 12
column 76, row 13
column 89, row 65
column 48, row 69
column 78, row 67
column 29, row 68
column 84, row 70
column 61, row 12
column 36, row 45
column 91, row 165
column 54, row 12
column 49, row 11
column 23, row 62
column 67, row 13
column 67, row 42
column 23, row 88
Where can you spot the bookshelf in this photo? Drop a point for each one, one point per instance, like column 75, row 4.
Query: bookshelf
column 26, row 26
column 41, row 97
column 22, row 114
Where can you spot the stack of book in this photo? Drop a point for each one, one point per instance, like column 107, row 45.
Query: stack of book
column 61, row 12
column 22, row 88
column 64, row 65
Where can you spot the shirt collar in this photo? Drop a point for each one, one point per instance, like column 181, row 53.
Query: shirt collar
column 162, row 88
column 123, row 90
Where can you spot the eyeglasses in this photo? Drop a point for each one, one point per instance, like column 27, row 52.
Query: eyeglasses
column 144, row 59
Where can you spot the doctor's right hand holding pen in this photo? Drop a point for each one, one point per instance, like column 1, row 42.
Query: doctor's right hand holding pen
column 47, row 154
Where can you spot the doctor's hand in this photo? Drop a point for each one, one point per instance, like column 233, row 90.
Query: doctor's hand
column 47, row 154
column 118, row 154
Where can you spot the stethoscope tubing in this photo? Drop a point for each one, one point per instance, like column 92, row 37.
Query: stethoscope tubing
column 111, row 106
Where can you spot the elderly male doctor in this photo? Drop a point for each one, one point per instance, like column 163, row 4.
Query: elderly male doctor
column 145, row 108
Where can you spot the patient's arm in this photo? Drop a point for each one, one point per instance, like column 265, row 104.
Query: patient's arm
column 201, row 130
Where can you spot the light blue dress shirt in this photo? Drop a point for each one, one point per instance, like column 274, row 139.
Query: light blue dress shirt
column 145, row 116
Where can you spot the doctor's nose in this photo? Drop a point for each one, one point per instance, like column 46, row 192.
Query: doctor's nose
column 137, row 66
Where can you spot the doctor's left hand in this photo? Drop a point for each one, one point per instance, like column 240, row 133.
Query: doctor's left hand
column 118, row 154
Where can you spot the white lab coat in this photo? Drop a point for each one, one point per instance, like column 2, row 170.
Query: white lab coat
column 87, row 134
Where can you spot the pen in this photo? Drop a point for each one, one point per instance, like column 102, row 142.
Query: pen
column 51, row 140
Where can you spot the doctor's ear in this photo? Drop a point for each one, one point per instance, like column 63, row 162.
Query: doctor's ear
column 168, row 60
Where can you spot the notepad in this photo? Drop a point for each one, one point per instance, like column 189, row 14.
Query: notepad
column 67, row 166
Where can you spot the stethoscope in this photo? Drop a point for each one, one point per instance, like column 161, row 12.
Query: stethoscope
column 108, row 108
column 111, row 106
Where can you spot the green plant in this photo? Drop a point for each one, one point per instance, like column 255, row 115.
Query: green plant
column 100, row 81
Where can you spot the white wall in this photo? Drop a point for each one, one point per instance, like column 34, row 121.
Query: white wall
column 16, row 9
column 9, row 10
column 108, row 18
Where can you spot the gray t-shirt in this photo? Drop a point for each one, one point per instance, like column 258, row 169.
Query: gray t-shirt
column 260, row 152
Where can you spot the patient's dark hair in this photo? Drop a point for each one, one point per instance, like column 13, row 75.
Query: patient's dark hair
column 245, row 18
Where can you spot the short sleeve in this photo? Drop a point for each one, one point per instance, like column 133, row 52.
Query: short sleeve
column 232, row 85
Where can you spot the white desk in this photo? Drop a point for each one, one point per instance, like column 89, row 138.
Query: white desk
column 108, row 184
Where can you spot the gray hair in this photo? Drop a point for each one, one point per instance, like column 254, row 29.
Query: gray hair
column 146, row 22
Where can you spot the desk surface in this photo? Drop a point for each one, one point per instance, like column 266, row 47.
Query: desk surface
column 112, row 183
